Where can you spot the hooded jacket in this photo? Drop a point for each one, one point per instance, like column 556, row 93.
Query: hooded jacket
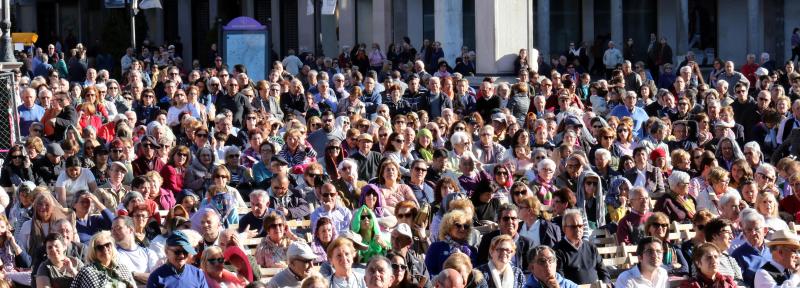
column 599, row 203
column 375, row 248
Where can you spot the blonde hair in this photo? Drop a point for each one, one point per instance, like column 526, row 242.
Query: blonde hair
column 450, row 219
column 91, row 255
column 207, row 253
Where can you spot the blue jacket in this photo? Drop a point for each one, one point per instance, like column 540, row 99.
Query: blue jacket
column 166, row 276
column 438, row 253
column 562, row 282
column 750, row 260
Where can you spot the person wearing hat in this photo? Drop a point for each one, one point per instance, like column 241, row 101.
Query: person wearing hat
column 146, row 159
column 402, row 239
column 629, row 109
column 367, row 160
column 46, row 169
column 111, row 192
column 780, row 270
column 177, row 272
column 299, row 258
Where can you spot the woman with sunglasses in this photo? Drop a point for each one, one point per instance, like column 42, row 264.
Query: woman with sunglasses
column 402, row 277
column 145, row 108
column 173, row 172
column 365, row 223
column 331, row 158
column 213, row 266
column 16, row 168
column 454, row 236
column 271, row 252
column 657, row 225
column 102, row 269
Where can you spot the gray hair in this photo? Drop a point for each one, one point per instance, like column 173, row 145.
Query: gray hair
column 722, row 83
column 753, row 145
column 686, row 69
column 353, row 167
column 230, row 150
column 376, row 259
column 212, row 80
column 459, row 138
column 258, row 193
column 602, row 152
column 728, row 197
column 750, row 216
column 678, row 177
column 338, row 76
column 766, row 168
column 546, row 162
column 571, row 213
column 638, row 190
column 127, row 220
column 539, row 250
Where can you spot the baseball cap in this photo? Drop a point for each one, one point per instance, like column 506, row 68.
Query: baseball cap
column 403, row 230
column 300, row 250
column 179, row 239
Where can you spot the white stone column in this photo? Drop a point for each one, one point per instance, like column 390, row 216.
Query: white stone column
column 542, row 28
column 755, row 28
column 414, row 8
column 185, row 31
column 616, row 22
column 381, row 23
column 448, row 16
column 682, row 38
column 347, row 19
column 305, row 27
column 503, row 27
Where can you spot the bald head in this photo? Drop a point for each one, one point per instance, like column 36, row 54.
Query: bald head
column 449, row 278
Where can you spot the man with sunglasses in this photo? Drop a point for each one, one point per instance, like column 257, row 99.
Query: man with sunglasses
column 146, row 159
column 508, row 218
column 177, row 272
column 299, row 258
column 578, row 259
column 319, row 139
column 328, row 206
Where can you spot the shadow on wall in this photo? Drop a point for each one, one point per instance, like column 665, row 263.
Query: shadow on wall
column 505, row 64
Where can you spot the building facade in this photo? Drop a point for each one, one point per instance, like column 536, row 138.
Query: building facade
column 494, row 29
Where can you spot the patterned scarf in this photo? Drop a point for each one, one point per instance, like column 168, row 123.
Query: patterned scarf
column 455, row 246
column 686, row 204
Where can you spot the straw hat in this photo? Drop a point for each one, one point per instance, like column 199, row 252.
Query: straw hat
column 784, row 237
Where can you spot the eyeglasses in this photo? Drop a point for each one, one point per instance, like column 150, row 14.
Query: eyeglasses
column 101, row 247
column 459, row 128
column 202, row 135
column 327, row 195
column 140, row 216
column 509, row 218
column 661, row 225
column 465, row 226
column 183, row 155
column 576, row 226
column 179, row 252
column 116, row 150
column 420, row 169
column 398, row 267
column 502, row 173
column 364, row 217
column 221, row 176
column 399, row 140
column 591, row 183
column 504, row 250
column 215, row 260
column 233, row 156
column 276, row 226
column 546, row 261
column 17, row 157
column 519, row 193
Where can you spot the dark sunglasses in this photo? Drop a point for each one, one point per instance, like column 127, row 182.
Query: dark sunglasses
column 101, row 247
column 509, row 218
column 216, row 261
column 401, row 267
column 406, row 215
column 465, row 226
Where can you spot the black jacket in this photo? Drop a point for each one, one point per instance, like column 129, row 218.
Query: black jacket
column 520, row 259
column 46, row 173
column 238, row 104
column 582, row 265
column 67, row 117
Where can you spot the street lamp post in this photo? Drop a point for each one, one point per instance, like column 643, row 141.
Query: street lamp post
column 6, row 47
column 134, row 9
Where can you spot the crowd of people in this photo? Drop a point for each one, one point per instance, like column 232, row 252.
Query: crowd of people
column 409, row 173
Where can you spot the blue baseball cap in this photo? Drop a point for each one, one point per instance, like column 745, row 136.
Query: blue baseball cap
column 178, row 238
